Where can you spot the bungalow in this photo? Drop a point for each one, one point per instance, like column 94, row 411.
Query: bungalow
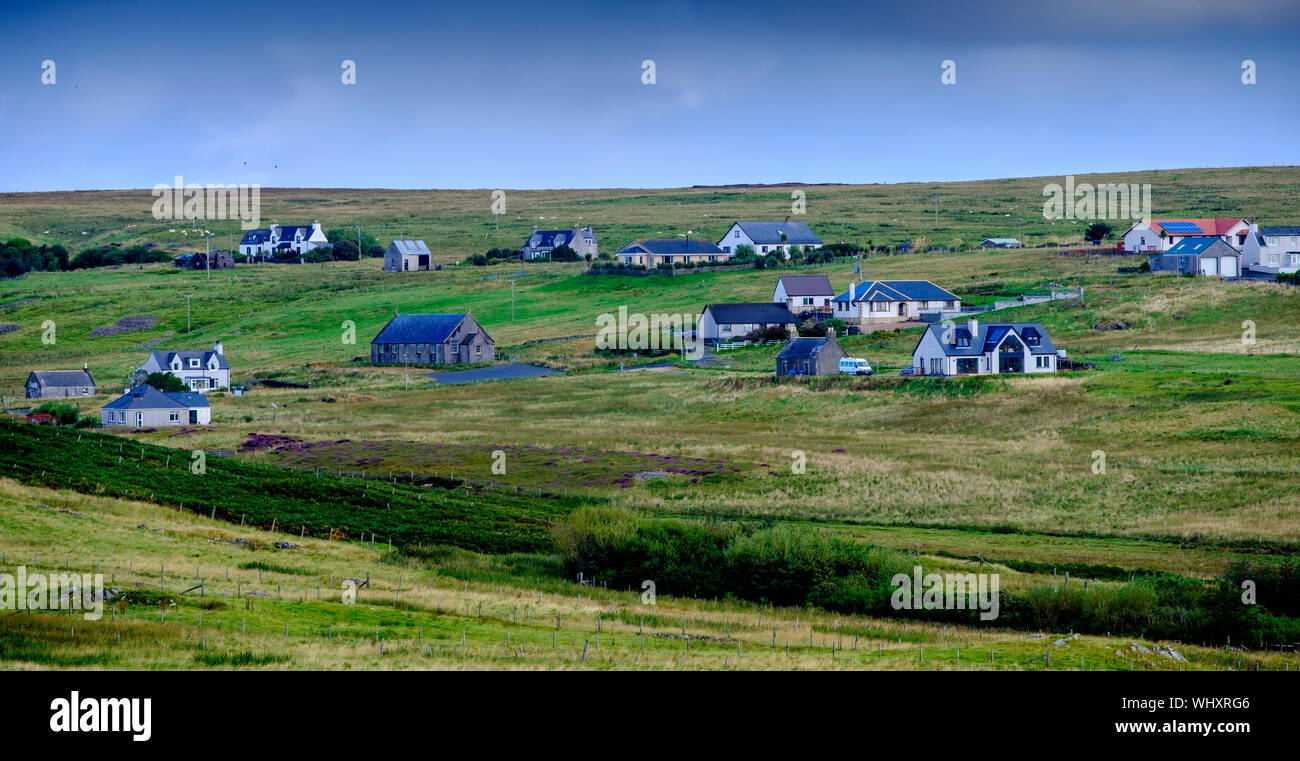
column 406, row 256
column 810, row 356
column 656, row 251
column 1156, row 235
column 146, row 407
column 1203, row 255
column 978, row 349
column 202, row 371
column 804, row 293
column 432, row 339
column 999, row 243
column 541, row 243
column 727, row 322
column 880, row 301
column 53, row 384
column 282, row 240
column 769, row 237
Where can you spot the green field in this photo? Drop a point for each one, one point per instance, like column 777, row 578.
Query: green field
column 1200, row 432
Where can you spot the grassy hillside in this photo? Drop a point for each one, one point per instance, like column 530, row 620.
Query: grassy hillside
column 265, row 607
column 459, row 222
column 1198, row 427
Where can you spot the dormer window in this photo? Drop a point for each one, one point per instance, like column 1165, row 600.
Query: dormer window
column 963, row 339
column 194, row 362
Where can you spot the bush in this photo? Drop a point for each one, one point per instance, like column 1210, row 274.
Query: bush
column 166, row 382
column 64, row 414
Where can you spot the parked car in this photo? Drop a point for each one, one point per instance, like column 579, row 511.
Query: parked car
column 855, row 366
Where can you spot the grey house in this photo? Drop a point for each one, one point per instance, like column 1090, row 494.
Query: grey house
column 406, row 256
column 975, row 348
column 730, row 322
column 541, row 243
column 202, row 371
column 432, row 339
column 810, row 356
column 1199, row 255
column 146, row 407
column 55, row 384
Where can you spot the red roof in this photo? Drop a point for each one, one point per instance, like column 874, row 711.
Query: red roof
column 1219, row 226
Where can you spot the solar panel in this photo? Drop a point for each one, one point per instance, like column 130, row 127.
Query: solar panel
column 1182, row 228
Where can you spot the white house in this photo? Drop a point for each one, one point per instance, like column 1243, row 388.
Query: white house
column 769, row 237
column 281, row 240
column 804, row 293
column 1003, row 348
column 880, row 301
column 541, row 243
column 202, row 371
column 730, row 322
column 1150, row 236
column 1280, row 251
column 1204, row 255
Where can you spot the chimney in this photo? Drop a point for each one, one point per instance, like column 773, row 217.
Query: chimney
column 218, row 348
column 85, row 365
column 973, row 326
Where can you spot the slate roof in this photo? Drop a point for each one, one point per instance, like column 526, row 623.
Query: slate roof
column 146, row 397
column 1000, row 241
column 677, row 246
column 897, row 290
column 287, row 232
column 57, row 378
column 796, row 233
column 807, row 285
column 989, row 335
column 418, row 328
column 760, row 313
column 1201, row 245
column 164, row 359
column 802, row 348
column 1280, row 230
column 549, row 238
column 405, row 246
column 255, row 237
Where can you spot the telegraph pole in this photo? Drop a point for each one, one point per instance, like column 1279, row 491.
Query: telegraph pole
column 187, row 314
column 358, row 228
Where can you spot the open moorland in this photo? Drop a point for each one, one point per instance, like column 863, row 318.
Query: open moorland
column 1194, row 406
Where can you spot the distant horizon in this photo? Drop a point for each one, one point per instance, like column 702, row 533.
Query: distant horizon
column 700, row 186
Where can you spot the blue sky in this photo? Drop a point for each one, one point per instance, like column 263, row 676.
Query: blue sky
column 543, row 95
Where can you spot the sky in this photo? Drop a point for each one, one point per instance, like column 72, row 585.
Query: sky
column 525, row 95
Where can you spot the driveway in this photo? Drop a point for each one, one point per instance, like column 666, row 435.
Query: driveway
column 496, row 372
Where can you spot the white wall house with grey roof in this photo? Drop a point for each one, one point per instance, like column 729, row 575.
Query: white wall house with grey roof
column 886, row 301
column 541, row 243
column 974, row 348
column 769, row 237
column 146, row 407
column 282, row 240
column 201, row 371
column 1280, row 251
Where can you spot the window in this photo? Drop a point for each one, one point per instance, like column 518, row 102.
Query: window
column 737, row 235
column 139, row 418
column 174, row 416
column 455, row 347
column 194, row 362
column 478, row 352
column 967, row 365
column 764, row 249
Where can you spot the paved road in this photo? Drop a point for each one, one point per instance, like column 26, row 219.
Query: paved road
column 496, row 372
